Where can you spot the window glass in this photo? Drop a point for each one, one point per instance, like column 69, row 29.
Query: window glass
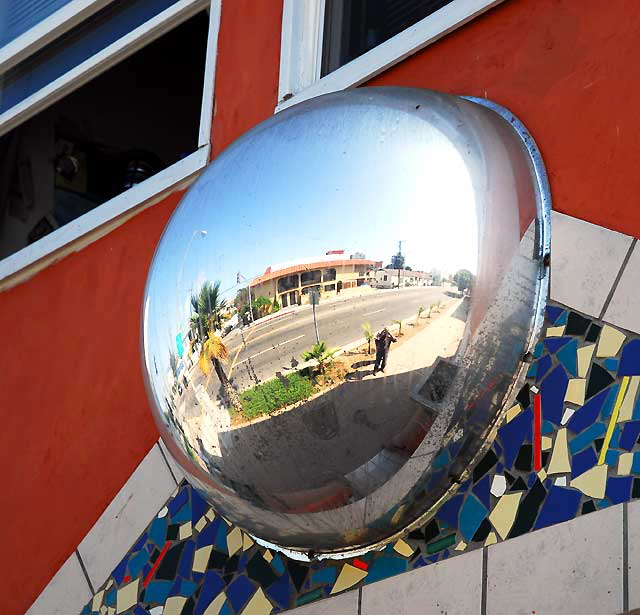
column 328, row 275
column 310, row 277
column 353, row 27
column 287, row 282
column 329, row 287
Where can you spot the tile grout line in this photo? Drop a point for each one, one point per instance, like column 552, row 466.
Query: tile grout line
column 175, row 480
column 616, row 281
column 625, row 557
column 360, row 600
column 86, row 574
column 483, row 595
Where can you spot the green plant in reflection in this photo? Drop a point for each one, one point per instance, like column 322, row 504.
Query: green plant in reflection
column 368, row 335
column 275, row 394
column 420, row 310
column 399, row 323
column 205, row 322
column 321, row 355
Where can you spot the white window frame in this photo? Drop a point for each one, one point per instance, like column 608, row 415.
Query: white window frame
column 301, row 51
column 15, row 267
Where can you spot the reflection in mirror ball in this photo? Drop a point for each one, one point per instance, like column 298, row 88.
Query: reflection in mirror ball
column 337, row 313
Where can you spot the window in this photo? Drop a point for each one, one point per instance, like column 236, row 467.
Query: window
column 288, row 282
column 310, row 277
column 329, row 287
column 330, row 45
column 386, row 277
column 85, row 117
column 328, row 275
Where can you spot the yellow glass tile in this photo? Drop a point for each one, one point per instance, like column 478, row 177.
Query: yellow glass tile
column 109, row 584
column 491, row 539
column 403, row 548
column 575, row 391
column 103, row 610
column 185, row 530
column 504, row 513
column 559, row 463
column 247, row 542
column 111, row 611
column 201, row 558
column 610, row 342
column 612, row 421
column 258, row 605
column 234, row 541
column 216, row 606
column 96, row 603
column 201, row 523
column 626, row 409
column 267, row 555
column 461, row 546
column 555, row 331
column 127, row 596
column 348, row 577
column 174, row 605
column 593, row 482
column 547, row 443
column 542, row 475
column 513, row 412
column 624, row 463
column 210, row 514
column 584, row 359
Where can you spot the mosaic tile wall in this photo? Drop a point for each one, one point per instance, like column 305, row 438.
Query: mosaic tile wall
column 568, row 447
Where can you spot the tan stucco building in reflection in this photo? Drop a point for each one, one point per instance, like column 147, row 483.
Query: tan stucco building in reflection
column 291, row 283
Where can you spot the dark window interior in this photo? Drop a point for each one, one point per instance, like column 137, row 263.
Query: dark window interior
column 310, row 277
column 288, row 282
column 353, row 27
column 137, row 118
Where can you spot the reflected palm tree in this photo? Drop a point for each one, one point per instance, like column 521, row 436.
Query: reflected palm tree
column 205, row 322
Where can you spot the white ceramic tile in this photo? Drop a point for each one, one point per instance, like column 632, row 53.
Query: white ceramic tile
column 634, row 554
column 175, row 468
column 344, row 604
column 451, row 586
column 66, row 593
column 126, row 517
column 585, row 260
column 572, row 567
column 624, row 309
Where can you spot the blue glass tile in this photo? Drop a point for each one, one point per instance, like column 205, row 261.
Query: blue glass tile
column 441, row 459
column 553, row 344
column 187, row 588
column 543, row 365
column 636, row 409
column 615, row 437
column 471, row 516
column 553, row 389
column 630, row 433
column 583, row 461
column 175, row 588
column 149, row 548
column 512, row 435
column 139, row 543
column 436, row 478
column 186, row 560
column 384, row 567
column 604, row 503
column 547, row 428
column 560, row 505
column 587, row 437
column 86, row 610
column 239, row 591
column 553, row 312
column 197, row 576
column 533, row 369
column 198, row 506
column 280, row 592
column 538, row 350
column 137, row 562
column 242, row 564
column 277, row 564
column 208, row 534
column 324, row 575
column 562, row 319
column 499, row 466
column 449, row 510
column 588, row 414
column 607, row 407
column 619, row 489
column 433, row 559
column 482, row 490
column 138, row 610
column 568, row 356
column 179, row 501
column 532, row 479
column 630, row 359
column 498, row 450
column 211, row 587
column 419, row 563
column 157, row 591
column 221, row 537
column 110, row 597
column 611, row 458
column 158, row 532
column 183, row 515
column 226, row 610
column 120, row 570
column 611, row 365
column 635, row 464
column 146, row 569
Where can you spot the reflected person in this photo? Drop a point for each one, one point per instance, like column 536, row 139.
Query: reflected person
column 383, row 340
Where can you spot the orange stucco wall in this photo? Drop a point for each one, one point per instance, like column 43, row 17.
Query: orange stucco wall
column 75, row 421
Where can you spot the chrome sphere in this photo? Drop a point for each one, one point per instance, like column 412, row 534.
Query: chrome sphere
column 339, row 311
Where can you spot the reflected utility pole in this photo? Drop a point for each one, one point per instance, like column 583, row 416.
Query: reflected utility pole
column 315, row 299
column 241, row 277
